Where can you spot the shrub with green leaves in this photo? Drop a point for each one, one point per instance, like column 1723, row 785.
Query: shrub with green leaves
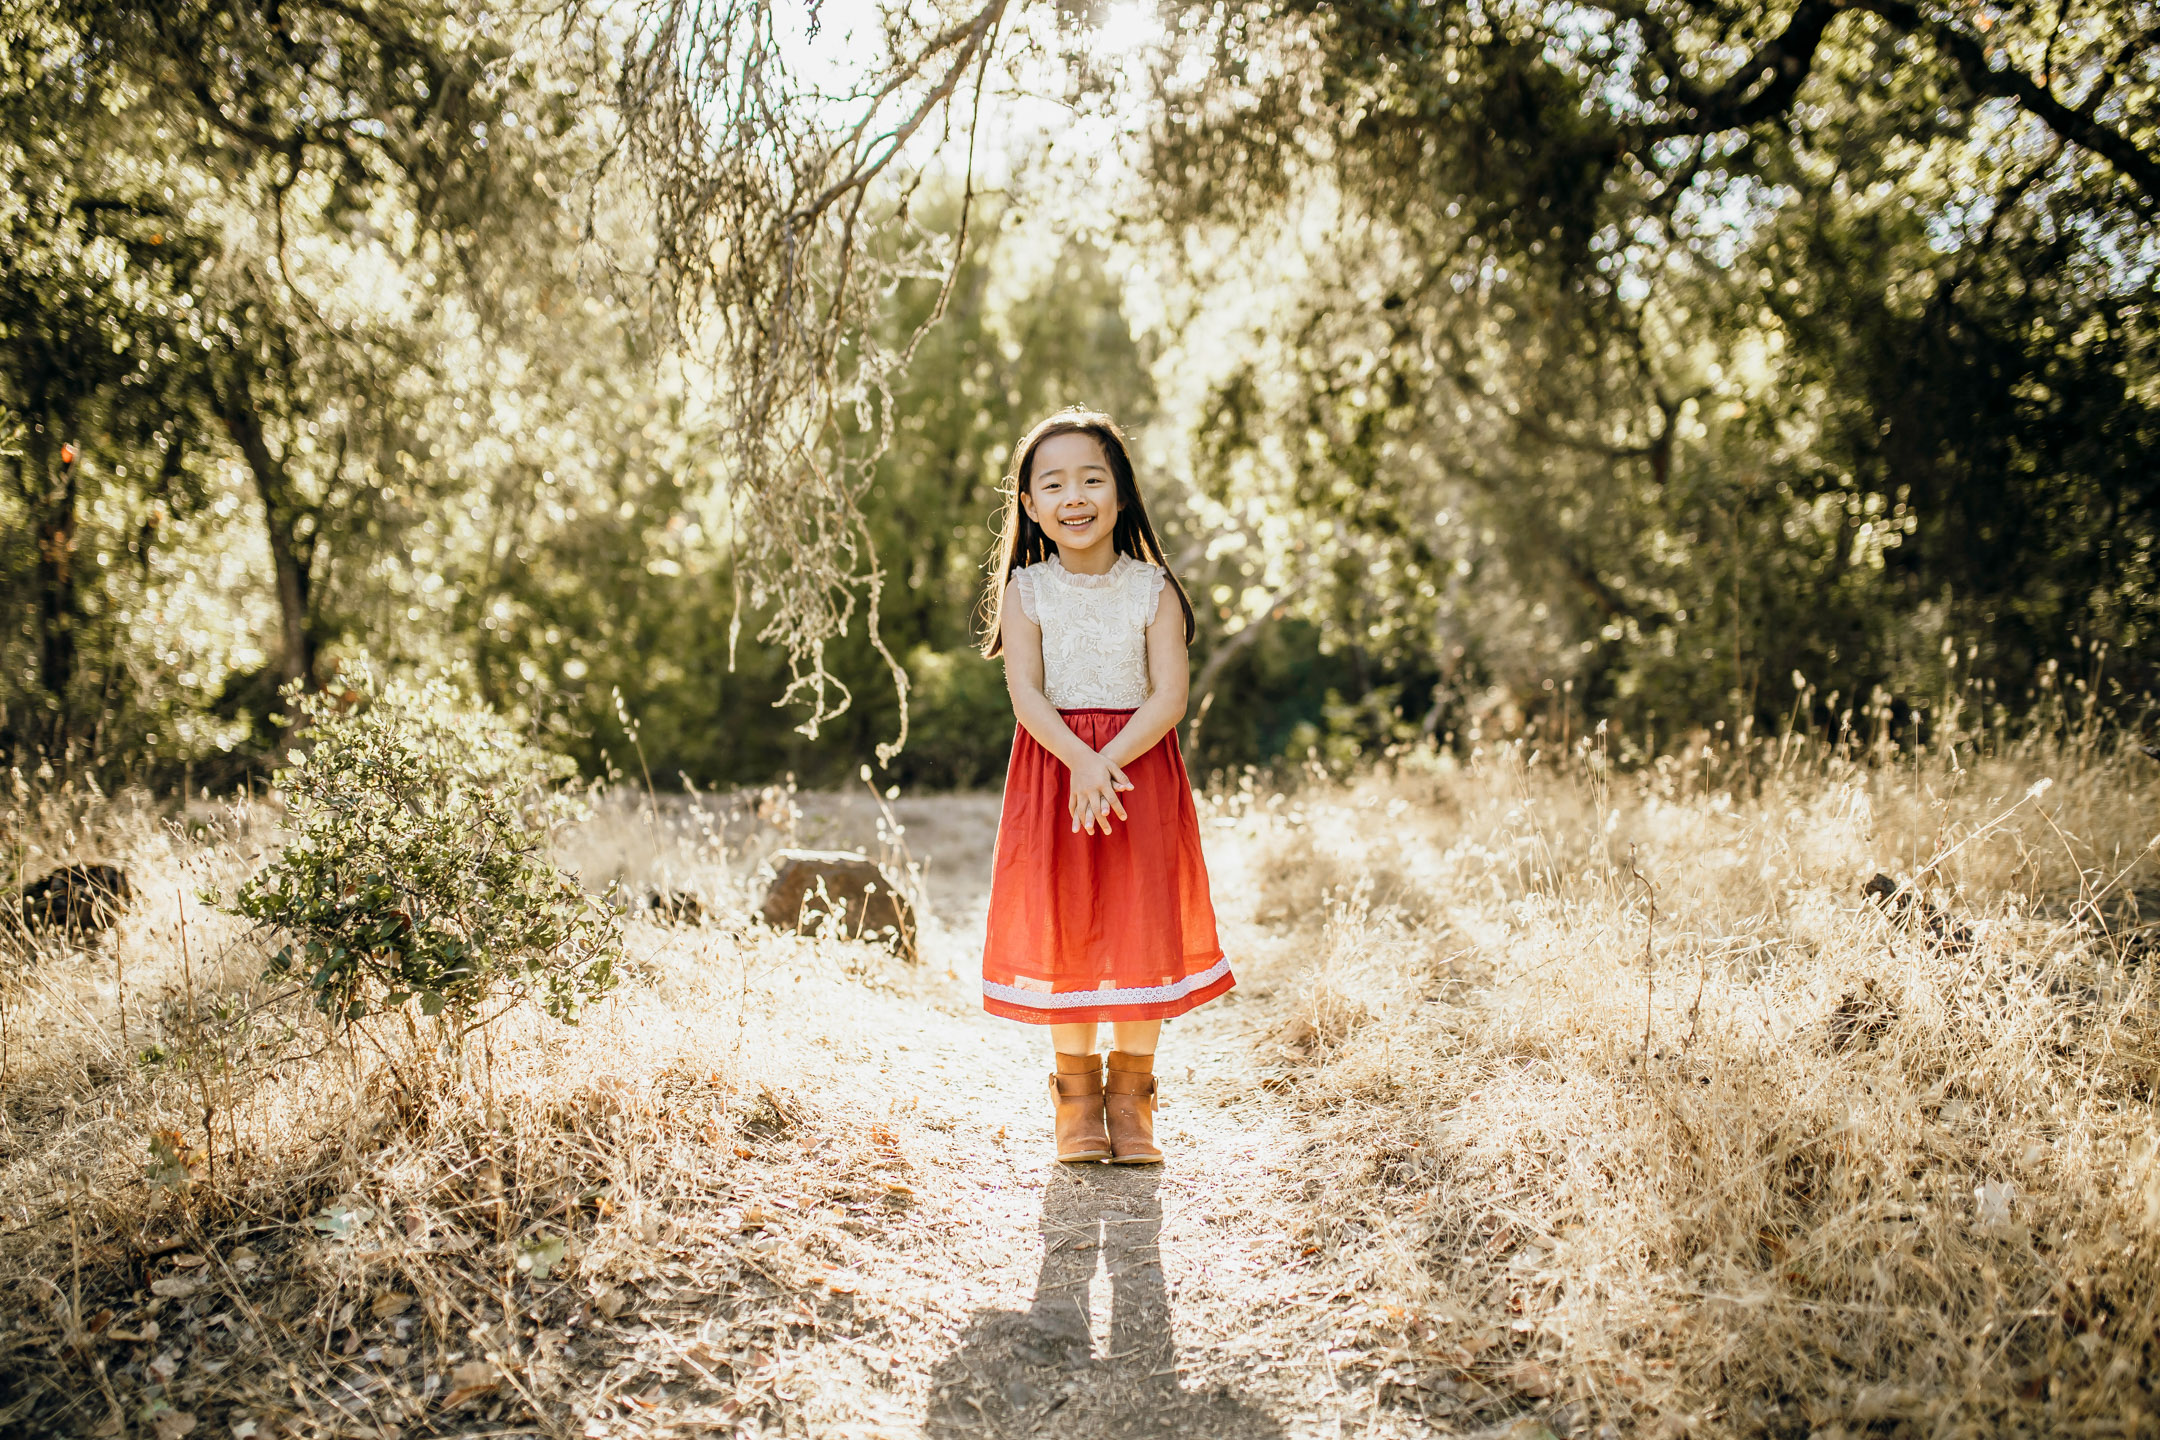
column 418, row 865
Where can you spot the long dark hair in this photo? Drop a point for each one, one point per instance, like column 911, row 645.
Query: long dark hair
column 1021, row 542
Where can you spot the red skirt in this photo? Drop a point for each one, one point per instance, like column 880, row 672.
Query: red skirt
column 1099, row 927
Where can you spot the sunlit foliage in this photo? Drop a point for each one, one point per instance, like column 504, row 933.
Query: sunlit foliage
column 1496, row 366
column 1678, row 349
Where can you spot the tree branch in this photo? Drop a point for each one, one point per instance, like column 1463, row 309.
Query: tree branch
column 283, row 509
column 867, row 169
column 1766, row 84
column 2081, row 127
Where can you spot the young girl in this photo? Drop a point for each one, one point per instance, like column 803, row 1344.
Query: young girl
column 1099, row 905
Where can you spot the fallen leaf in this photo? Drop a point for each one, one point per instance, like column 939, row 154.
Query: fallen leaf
column 172, row 1424
column 188, row 1262
column 163, row 1367
column 175, row 1287
column 395, row 1355
column 709, row 1354
column 468, row 1381
column 243, row 1260
column 1532, row 1379
column 391, row 1304
column 609, row 1301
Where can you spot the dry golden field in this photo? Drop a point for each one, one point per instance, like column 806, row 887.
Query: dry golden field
column 1556, row 1099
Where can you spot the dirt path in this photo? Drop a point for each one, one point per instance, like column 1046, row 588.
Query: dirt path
column 989, row 1292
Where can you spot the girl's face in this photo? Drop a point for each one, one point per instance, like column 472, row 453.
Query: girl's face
column 1072, row 493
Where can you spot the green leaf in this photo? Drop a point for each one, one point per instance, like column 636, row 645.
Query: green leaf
column 342, row 1221
column 539, row 1255
column 431, row 1003
column 168, row 1162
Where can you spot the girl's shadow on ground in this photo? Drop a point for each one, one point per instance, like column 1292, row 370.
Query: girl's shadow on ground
column 1036, row 1372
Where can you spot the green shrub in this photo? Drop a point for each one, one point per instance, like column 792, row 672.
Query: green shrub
column 418, row 865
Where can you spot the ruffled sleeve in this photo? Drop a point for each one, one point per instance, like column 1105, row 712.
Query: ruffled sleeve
column 1025, row 579
column 1152, row 580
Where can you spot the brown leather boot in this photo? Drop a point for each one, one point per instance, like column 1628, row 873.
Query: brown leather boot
column 1129, row 1105
column 1077, row 1092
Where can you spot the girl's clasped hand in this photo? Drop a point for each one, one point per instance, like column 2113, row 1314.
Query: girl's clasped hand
column 1095, row 787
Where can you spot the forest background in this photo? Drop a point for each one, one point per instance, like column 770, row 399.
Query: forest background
column 1496, row 369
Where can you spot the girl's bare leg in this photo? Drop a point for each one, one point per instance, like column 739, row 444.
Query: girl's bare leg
column 1134, row 1037
column 1073, row 1039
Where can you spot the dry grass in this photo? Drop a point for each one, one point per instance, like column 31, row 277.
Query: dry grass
column 1778, row 1163
column 1856, row 1182
column 215, row 1214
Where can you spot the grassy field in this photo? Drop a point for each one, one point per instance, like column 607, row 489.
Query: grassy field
column 1556, row 1099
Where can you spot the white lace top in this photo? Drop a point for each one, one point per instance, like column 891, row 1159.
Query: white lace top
column 1094, row 630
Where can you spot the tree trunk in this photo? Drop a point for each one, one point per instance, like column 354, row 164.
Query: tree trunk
column 56, row 487
column 1226, row 650
column 291, row 552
